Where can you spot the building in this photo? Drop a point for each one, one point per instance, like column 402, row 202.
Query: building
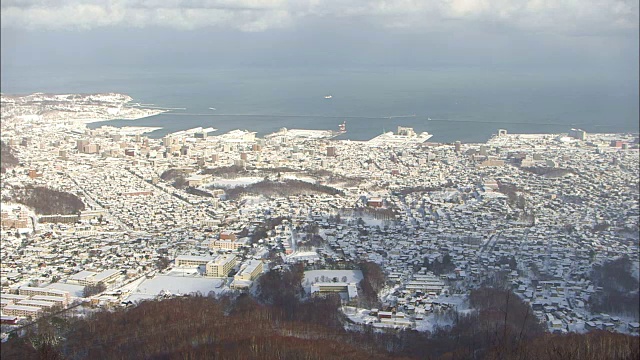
column 91, row 149
column 39, row 303
column 22, row 311
column 250, row 271
column 106, row 276
column 375, row 202
column 33, row 173
column 229, row 244
column 221, row 266
column 16, row 219
column 406, row 131
column 13, row 297
column 331, row 151
column 350, row 289
column 578, row 134
column 58, row 300
column 83, row 278
column 33, row 291
column 227, row 235
column 91, row 278
column 192, row 261
column 196, row 180
column 5, row 302
column 492, row 162
column 9, row 320
column 81, row 144
column 247, row 274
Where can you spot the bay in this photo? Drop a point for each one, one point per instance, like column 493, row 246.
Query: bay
column 464, row 103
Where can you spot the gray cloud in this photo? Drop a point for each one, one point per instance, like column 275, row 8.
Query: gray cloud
column 576, row 17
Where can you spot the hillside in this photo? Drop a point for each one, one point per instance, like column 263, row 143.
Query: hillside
column 278, row 325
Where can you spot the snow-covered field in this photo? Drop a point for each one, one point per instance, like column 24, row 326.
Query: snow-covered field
column 435, row 320
column 241, row 181
column 302, row 255
column 74, row 107
column 167, row 284
column 369, row 220
column 313, row 276
column 299, row 177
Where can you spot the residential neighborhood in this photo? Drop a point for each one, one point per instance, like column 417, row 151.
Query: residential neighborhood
column 198, row 211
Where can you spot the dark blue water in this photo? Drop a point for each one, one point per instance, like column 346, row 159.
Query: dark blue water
column 464, row 104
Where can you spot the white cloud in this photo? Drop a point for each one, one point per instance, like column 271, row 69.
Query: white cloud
column 565, row 16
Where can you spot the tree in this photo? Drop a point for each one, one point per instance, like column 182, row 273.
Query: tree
column 162, row 263
column 93, row 289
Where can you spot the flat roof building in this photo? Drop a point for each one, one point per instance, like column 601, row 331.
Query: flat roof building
column 221, row 266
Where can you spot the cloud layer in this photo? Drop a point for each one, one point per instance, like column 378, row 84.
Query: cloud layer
column 562, row 16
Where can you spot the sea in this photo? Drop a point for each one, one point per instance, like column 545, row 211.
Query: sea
column 453, row 103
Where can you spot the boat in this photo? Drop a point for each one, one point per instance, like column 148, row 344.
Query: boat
column 212, row 108
column 328, row 96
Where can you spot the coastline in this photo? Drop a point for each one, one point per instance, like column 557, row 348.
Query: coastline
column 148, row 113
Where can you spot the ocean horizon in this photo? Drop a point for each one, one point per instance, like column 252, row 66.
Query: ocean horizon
column 452, row 103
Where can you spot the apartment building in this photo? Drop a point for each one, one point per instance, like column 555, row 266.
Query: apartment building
column 221, row 266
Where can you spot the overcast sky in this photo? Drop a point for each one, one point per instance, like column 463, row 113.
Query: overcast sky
column 588, row 34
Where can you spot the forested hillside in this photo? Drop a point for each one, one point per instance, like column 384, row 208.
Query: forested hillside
column 278, row 325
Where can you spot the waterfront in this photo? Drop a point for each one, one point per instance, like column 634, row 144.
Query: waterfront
column 464, row 103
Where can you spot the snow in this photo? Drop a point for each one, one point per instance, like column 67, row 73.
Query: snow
column 137, row 130
column 310, row 276
column 241, row 181
column 300, row 178
column 368, row 220
column 74, row 290
column 433, row 321
column 167, row 284
column 303, row 255
column 358, row 315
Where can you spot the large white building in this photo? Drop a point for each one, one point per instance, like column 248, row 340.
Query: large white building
column 351, row 289
column 250, row 270
column 22, row 310
column 221, row 266
column 91, row 277
column 32, row 291
column 192, row 261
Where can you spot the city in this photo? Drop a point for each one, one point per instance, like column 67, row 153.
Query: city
column 201, row 212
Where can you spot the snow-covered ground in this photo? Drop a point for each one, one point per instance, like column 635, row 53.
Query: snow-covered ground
column 80, row 108
column 73, row 289
column 369, row 220
column 433, row 321
column 137, row 130
column 303, row 255
column 172, row 284
column 241, row 181
column 359, row 315
column 299, row 177
column 313, row 276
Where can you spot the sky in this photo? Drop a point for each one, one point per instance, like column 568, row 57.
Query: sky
column 593, row 35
